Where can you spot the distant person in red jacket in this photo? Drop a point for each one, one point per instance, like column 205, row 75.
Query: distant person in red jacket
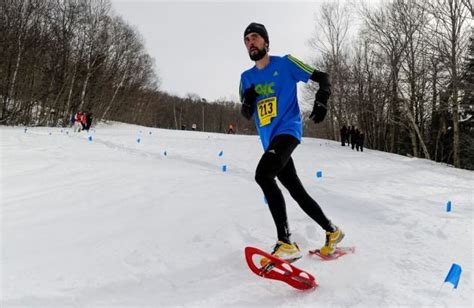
column 79, row 121
column 231, row 129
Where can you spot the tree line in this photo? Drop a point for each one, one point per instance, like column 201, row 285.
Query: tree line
column 58, row 57
column 405, row 78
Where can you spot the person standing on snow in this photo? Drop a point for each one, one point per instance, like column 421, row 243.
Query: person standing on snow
column 88, row 120
column 79, row 120
column 231, row 129
column 343, row 135
column 352, row 134
column 355, row 139
column 360, row 141
column 268, row 91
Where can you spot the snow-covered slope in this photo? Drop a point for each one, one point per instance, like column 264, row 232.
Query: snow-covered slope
column 114, row 222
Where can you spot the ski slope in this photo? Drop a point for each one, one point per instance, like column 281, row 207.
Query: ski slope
column 114, row 222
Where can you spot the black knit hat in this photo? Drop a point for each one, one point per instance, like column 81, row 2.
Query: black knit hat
column 257, row 28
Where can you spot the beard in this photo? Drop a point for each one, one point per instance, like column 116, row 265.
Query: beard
column 259, row 55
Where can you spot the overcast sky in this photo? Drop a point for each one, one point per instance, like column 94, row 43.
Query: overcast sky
column 198, row 46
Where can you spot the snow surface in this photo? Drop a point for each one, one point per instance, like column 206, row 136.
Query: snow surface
column 114, row 222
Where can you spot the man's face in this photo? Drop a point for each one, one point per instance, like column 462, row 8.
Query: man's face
column 256, row 46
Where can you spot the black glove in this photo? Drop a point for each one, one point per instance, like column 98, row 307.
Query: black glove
column 320, row 106
column 322, row 96
column 248, row 102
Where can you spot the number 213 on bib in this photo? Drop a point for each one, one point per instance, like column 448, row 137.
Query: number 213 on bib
column 267, row 109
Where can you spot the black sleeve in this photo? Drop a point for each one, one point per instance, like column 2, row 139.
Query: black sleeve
column 321, row 78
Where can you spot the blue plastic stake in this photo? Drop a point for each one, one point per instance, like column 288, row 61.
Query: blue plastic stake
column 319, row 174
column 448, row 206
column 90, row 138
column 224, row 168
column 453, row 275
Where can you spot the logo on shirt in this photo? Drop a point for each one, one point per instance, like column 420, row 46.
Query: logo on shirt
column 265, row 88
column 275, row 74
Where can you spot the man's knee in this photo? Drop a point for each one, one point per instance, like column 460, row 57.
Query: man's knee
column 261, row 178
column 268, row 168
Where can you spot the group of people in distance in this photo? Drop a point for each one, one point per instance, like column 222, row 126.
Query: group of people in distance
column 81, row 121
column 353, row 137
column 230, row 129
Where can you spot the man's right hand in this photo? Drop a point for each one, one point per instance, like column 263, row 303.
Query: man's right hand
column 248, row 102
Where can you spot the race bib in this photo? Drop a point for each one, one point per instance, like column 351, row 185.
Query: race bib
column 267, row 109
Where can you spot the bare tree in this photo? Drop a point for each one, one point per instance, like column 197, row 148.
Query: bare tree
column 384, row 25
column 125, row 50
column 413, row 24
column 21, row 16
column 468, row 5
column 95, row 35
column 370, row 88
column 331, row 41
column 448, row 29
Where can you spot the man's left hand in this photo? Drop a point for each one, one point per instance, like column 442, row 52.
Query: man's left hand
column 320, row 106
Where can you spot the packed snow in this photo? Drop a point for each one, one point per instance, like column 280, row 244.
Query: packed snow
column 130, row 216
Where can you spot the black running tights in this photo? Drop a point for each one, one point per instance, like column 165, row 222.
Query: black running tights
column 277, row 162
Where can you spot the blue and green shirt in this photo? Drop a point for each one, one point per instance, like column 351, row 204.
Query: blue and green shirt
column 277, row 111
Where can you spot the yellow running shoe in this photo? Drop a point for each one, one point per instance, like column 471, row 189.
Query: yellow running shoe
column 285, row 251
column 332, row 238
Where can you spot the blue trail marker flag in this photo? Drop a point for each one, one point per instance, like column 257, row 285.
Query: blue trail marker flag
column 448, row 206
column 454, row 275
